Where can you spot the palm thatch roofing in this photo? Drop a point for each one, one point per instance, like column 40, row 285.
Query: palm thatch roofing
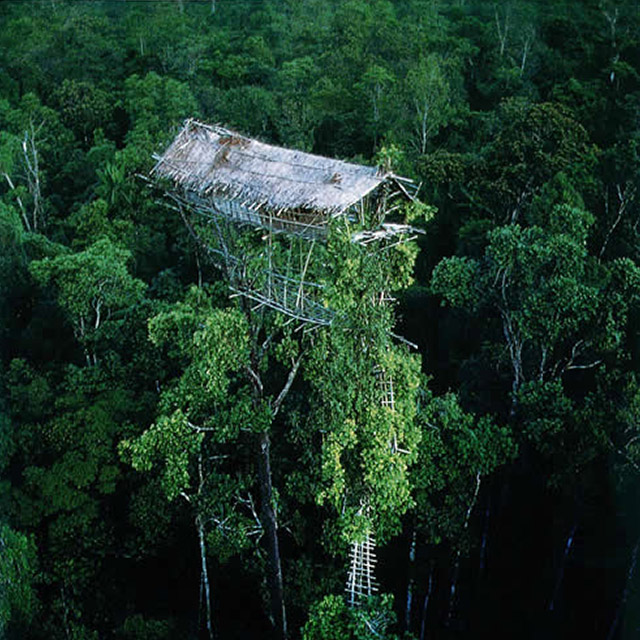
column 214, row 162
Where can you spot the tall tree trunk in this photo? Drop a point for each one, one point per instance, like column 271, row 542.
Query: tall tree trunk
column 515, row 345
column 502, row 29
column 205, row 575
column 32, row 167
column 567, row 550
column 625, row 594
column 270, row 524
column 485, row 534
column 626, row 196
column 268, row 515
column 456, row 565
column 412, row 561
column 425, row 605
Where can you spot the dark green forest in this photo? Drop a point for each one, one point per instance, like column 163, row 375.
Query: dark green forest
column 132, row 500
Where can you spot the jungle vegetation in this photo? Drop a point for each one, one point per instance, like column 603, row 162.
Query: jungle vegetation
column 129, row 426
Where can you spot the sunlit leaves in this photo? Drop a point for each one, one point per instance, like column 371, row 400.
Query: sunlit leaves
column 547, row 291
column 17, row 573
column 90, row 285
column 364, row 386
column 171, row 440
column 456, row 451
column 331, row 619
column 455, row 279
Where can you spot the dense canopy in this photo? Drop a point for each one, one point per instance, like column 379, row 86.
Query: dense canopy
column 192, row 443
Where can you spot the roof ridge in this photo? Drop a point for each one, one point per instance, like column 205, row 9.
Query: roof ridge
column 220, row 130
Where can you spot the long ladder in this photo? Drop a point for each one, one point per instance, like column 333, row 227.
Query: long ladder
column 361, row 583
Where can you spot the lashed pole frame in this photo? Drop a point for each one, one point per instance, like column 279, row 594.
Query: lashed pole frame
column 296, row 298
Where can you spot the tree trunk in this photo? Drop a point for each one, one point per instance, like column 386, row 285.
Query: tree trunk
column 456, row 565
column 199, row 266
column 425, row 605
column 625, row 593
column 268, row 515
column 502, row 29
column 625, row 196
column 565, row 555
column 205, row 575
column 32, row 166
column 412, row 561
column 485, row 534
column 270, row 525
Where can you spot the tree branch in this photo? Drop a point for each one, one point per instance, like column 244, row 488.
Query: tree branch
column 195, row 427
column 595, row 363
column 624, row 197
column 256, row 379
column 285, row 390
column 23, row 211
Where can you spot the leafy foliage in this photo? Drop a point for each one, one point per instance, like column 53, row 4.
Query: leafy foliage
column 17, row 562
column 521, row 123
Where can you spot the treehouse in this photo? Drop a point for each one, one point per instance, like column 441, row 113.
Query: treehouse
column 218, row 172
column 230, row 181
column 221, row 182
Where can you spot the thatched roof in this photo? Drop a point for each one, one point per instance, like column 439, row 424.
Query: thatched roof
column 214, row 161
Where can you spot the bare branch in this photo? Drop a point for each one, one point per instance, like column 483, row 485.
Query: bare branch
column 23, row 211
column 576, row 350
column 256, row 379
column 30, row 158
column 625, row 196
column 595, row 363
column 502, row 30
column 267, row 341
column 199, row 429
column 248, row 502
column 543, row 362
column 285, row 390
